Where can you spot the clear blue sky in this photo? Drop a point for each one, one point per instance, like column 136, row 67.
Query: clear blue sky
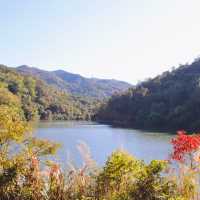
column 128, row 40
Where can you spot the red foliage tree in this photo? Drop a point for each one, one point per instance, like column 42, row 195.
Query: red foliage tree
column 184, row 145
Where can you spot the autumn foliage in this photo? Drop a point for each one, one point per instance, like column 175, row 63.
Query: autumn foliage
column 184, row 145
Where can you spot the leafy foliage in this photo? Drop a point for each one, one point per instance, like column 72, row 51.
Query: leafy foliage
column 170, row 101
column 184, row 144
column 186, row 153
column 16, row 151
column 38, row 100
column 120, row 170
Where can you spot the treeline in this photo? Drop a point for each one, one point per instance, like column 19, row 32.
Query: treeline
column 38, row 100
column 170, row 101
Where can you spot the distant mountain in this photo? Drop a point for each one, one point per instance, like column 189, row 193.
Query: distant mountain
column 170, row 101
column 77, row 84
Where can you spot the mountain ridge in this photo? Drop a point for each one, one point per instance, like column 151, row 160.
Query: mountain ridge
column 77, row 84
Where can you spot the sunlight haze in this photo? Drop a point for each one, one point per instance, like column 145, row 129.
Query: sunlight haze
column 129, row 40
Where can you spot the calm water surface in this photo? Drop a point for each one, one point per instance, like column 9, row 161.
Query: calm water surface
column 103, row 139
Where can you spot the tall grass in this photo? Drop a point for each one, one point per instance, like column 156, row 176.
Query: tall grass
column 123, row 177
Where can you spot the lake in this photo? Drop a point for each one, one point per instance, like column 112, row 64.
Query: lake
column 103, row 140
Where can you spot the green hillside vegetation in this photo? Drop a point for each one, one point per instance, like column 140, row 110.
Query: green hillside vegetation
column 38, row 100
column 170, row 101
column 76, row 84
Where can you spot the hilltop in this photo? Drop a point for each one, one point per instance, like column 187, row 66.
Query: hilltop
column 77, row 84
column 170, row 101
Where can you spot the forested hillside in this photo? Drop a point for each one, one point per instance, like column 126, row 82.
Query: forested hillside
column 76, row 84
column 170, row 101
column 38, row 100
